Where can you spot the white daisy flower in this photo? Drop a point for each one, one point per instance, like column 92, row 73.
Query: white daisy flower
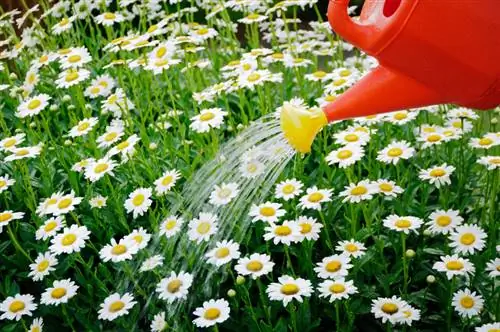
column 286, row 233
column 174, row 287
column 78, row 57
column 288, row 289
column 211, row 313
column 171, row 226
column 335, row 266
column 256, row 265
column 351, row 248
column 203, row 227
column 71, row 240
column 492, row 327
column 63, row 25
column 493, row 266
column 345, row 156
column 309, row 228
column 111, row 136
column 33, row 106
column 466, row 303
column 267, row 212
column 410, row 315
column 491, row 162
column 126, row 147
column 8, row 216
column 158, row 324
column 98, row 202
column 388, row 188
column 64, row 204
column 223, row 253
column 337, row 289
column 467, row 239
column 10, row 142
column 5, row 182
column 151, row 263
column 50, row 227
column 454, row 266
column 14, row 307
column 83, row 127
column 396, row 151
column 108, row 19
column 438, row 175
column 389, row 309
column 166, row 181
column 429, row 139
column 443, row 222
column 138, row 201
column 120, row 251
column 71, row 77
column 42, row 266
column 288, row 189
column 352, row 137
column 115, row 306
column 140, row 237
column 23, row 153
column 36, row 325
column 251, row 168
column 98, row 168
column 314, row 197
column 401, row 117
column 403, row 224
column 60, row 292
column 202, row 34
column 207, row 119
column 223, row 194
column 357, row 192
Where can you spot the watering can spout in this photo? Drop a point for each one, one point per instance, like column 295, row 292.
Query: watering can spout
column 381, row 91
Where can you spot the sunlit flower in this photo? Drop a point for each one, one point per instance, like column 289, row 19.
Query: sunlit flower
column 98, row 202
column 98, row 168
column 256, row 265
column 396, row 151
column 71, row 240
column 7, row 216
column 467, row 303
column 443, row 222
column 403, row 224
column 71, row 77
column 467, row 239
column 175, row 286
column 170, row 226
column 223, row 194
column 438, row 175
column 288, row 288
column 454, row 266
column 14, row 307
column 491, row 162
column 23, row 152
column 33, row 105
column 211, row 313
column 309, row 228
column 346, row 156
column 49, row 228
column 286, row 233
column 493, row 266
column 207, row 119
column 314, row 197
column 151, row 263
column 60, row 292
column 389, row 309
column 116, row 305
column 203, row 227
column 337, row 289
column 335, row 266
column 357, row 192
column 268, row 212
column 351, row 248
column 223, row 253
column 83, row 127
column 166, row 182
column 108, row 19
column 5, row 182
column 388, row 188
column 42, row 266
column 139, row 201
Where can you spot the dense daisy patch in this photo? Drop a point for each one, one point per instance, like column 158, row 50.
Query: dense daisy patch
column 116, row 214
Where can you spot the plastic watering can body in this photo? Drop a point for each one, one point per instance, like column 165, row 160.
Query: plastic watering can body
column 430, row 52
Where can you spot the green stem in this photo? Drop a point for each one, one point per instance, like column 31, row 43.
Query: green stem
column 16, row 244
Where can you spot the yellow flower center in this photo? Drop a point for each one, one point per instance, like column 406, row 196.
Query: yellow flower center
column 288, row 188
column 282, row 231
column 2, row 183
column 109, row 16
column 277, row 55
column 390, row 308
column 64, row 203
column 222, row 252
column 174, row 286
column 467, row 239
column 437, row 172
column 83, row 126
column 224, row 193
column 345, row 73
column 138, row 239
column 138, row 199
column 112, row 100
column 298, row 60
column 254, row 266
column 394, row 152
column 202, row 31
column 351, row 138
column 99, row 168
column 10, row 142
column 333, row 266
column 319, row 74
column 253, row 77
column 305, row 228
column 351, row 247
column 433, row 138
column 43, row 58
column 119, row 249
column 251, row 168
column 337, row 288
column 42, row 266
column 57, row 293
column 123, row 145
column 35, row 103
column 485, row 141
column 454, row 265
column 339, row 82
column 16, row 306
column 402, row 223
column 74, row 58
column 95, row 90
column 110, row 136
column 495, row 161
column 253, row 16
column 315, row 197
column 68, row 239
column 6, row 216
column 170, row 224
column 207, row 116
column 385, row 187
column 359, row 190
column 152, row 28
column 50, row 226
column 443, row 221
column 344, row 154
column 161, row 52
column 116, row 306
column 161, row 63
column 63, row 22
column 211, row 314
column 467, row 302
column 22, row 152
column 203, row 227
column 400, row 116
column 330, row 98
column 267, row 211
column 70, row 77
column 167, row 180
column 289, row 289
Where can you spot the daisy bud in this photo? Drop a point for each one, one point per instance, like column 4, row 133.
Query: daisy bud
column 32, row 124
column 430, row 279
column 67, row 142
column 240, row 280
column 240, row 126
column 230, row 128
column 410, row 253
column 231, row 293
column 153, row 146
column 427, row 232
column 494, row 121
column 88, row 106
column 71, row 107
column 13, row 76
column 53, row 108
column 66, row 98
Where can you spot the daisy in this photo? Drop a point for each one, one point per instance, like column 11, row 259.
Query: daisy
column 158, row 66
column 318, row 76
column 335, row 266
column 24, row 152
column 111, row 136
column 81, row 165
column 268, row 212
column 171, row 226
column 314, row 197
column 115, row 306
column 388, row 188
column 467, row 303
column 126, row 147
column 396, row 151
column 60, row 292
column 5, row 183
column 467, row 239
column 410, row 315
column 288, row 288
column 71, row 77
column 49, row 228
column 223, row 194
column 202, row 34
column 83, row 127
column 462, row 112
column 491, row 162
column 492, row 327
column 174, row 287
column 438, row 175
column 487, row 141
column 11, row 142
column 351, row 248
column 64, row 204
column 138, row 201
column 401, row 117
column 14, row 307
column 36, row 325
column 309, row 228
column 251, row 168
column 33, row 106
column 151, row 263
column 118, row 251
column 444, row 221
column 256, row 265
column 98, row 168
column 71, row 240
column 493, row 266
column 63, row 25
column 337, row 289
column 140, row 237
column 252, row 18
column 345, row 156
column 203, row 227
column 223, row 253
column 158, row 324
column 254, row 78
column 166, row 181
column 108, row 19
column 78, row 57
column 454, row 266
column 389, row 309
column 211, row 313
column 98, row 202
column 357, row 192
column 431, row 139
column 352, row 137
column 285, row 233
column 207, row 119
column 403, row 224
column 42, row 266
column 7, row 216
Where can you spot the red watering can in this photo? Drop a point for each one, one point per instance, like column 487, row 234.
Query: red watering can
column 430, row 52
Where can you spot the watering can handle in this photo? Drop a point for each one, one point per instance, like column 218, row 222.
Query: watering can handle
column 359, row 35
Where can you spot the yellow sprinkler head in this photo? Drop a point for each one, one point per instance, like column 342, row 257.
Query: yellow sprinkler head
column 300, row 125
